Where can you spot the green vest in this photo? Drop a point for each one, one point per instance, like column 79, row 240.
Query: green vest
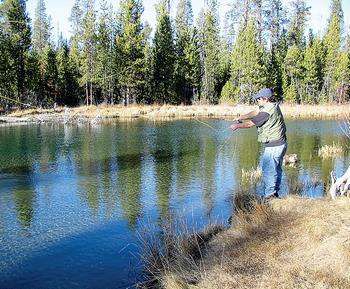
column 274, row 129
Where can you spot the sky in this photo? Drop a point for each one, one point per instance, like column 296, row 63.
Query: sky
column 59, row 10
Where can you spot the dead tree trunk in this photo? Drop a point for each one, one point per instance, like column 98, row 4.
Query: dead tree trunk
column 340, row 186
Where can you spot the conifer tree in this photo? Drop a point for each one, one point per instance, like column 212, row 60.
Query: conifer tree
column 347, row 42
column 50, row 76
column 224, row 65
column 229, row 29
column 193, row 59
column 293, row 73
column 274, row 76
column 299, row 17
column 337, row 10
column 75, row 51
column 16, row 26
column 88, row 58
column 105, row 47
column 241, row 12
column 277, row 56
column 7, row 73
column 275, row 20
column 312, row 64
column 34, row 83
column 147, row 96
column 342, row 77
column 130, row 46
column 258, row 16
column 67, row 77
column 163, row 57
column 41, row 28
column 248, row 68
column 210, row 53
column 332, row 42
column 186, row 49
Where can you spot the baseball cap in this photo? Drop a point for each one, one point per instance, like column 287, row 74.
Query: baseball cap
column 264, row 93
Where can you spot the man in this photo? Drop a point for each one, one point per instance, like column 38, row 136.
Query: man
column 272, row 134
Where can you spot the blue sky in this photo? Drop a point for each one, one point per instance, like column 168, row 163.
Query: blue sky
column 60, row 11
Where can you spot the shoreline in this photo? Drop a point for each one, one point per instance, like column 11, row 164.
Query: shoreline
column 96, row 114
column 297, row 242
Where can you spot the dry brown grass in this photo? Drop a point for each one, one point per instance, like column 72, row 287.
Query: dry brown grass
column 289, row 243
column 181, row 111
column 319, row 111
column 251, row 176
column 176, row 249
column 330, row 151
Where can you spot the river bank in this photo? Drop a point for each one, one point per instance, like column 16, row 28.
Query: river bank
column 289, row 243
column 95, row 114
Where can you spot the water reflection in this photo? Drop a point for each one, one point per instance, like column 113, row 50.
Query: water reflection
column 61, row 181
column 24, row 198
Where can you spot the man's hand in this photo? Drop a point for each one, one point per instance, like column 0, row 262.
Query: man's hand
column 234, row 126
column 238, row 125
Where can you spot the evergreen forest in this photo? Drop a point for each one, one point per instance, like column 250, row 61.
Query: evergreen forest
column 113, row 56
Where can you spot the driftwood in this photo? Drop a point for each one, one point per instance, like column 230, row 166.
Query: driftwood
column 340, row 186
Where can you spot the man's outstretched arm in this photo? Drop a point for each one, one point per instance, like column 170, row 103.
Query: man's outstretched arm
column 245, row 124
column 247, row 116
column 257, row 120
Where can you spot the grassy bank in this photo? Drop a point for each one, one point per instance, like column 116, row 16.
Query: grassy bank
column 289, row 243
column 168, row 111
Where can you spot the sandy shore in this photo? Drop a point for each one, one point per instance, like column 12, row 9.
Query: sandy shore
column 94, row 114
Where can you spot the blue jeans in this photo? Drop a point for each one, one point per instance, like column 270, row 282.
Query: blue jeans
column 271, row 165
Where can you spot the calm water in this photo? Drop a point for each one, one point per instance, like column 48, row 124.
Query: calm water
column 72, row 199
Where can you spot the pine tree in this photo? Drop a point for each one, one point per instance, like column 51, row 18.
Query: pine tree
column 313, row 71
column 342, row 77
column 193, row 60
column 50, row 76
column 67, row 77
column 275, row 20
column 332, row 42
column 105, row 47
column 163, row 58
column 224, row 65
column 88, row 58
column 210, row 53
column 130, row 45
column 76, row 19
column 35, row 83
column 16, row 26
column 42, row 27
column 7, row 73
column 299, row 17
column 248, row 68
column 241, row 12
column 347, row 41
column 75, row 51
column 337, row 10
column 258, row 16
column 280, row 49
column 274, row 77
column 293, row 73
column 146, row 95
column 184, row 47
column 229, row 29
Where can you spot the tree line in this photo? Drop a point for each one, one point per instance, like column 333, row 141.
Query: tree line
column 114, row 57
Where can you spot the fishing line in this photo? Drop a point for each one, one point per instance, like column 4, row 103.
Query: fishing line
column 226, row 140
column 16, row 101
column 206, row 124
